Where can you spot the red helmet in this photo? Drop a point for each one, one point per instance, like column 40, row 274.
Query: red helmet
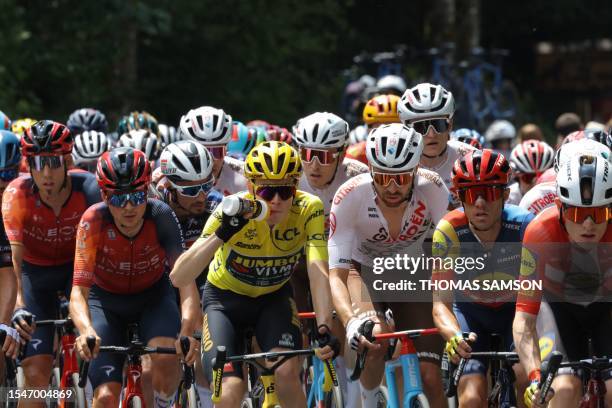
column 123, row 169
column 46, row 137
column 279, row 134
column 480, row 167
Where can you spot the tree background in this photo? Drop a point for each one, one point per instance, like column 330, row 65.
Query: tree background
column 271, row 59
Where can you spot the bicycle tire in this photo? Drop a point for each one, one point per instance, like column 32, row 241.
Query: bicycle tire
column 79, row 394
column 54, row 383
column 20, row 377
column 333, row 399
column 420, row 401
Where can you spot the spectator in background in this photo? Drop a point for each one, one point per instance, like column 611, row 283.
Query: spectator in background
column 530, row 131
column 565, row 124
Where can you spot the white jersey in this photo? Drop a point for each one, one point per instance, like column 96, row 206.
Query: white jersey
column 454, row 150
column 359, row 231
column 541, row 196
column 515, row 195
column 231, row 180
column 348, row 169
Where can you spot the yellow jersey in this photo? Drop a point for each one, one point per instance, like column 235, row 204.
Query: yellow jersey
column 260, row 259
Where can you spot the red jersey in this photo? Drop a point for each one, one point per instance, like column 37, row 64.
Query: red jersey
column 118, row 264
column 47, row 239
column 567, row 272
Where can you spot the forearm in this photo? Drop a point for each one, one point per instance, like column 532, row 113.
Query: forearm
column 79, row 309
column 340, row 294
column 190, row 309
column 192, row 262
column 526, row 340
column 17, row 256
column 8, row 283
column 445, row 319
column 321, row 294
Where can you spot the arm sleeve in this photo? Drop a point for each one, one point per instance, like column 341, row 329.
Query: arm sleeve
column 532, row 265
column 341, row 227
column 168, row 230
column 87, row 243
column 6, row 259
column 14, row 211
column 316, row 245
column 213, row 222
column 445, row 246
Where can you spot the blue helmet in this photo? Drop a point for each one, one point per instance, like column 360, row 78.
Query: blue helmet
column 10, row 152
column 242, row 141
column 5, row 122
column 469, row 136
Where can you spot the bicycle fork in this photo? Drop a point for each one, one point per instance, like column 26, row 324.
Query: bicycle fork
column 409, row 362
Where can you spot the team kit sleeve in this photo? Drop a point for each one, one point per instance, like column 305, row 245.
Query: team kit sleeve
column 316, row 245
column 168, row 230
column 14, row 211
column 342, row 219
column 445, row 245
column 213, row 222
column 87, row 242
column 532, row 266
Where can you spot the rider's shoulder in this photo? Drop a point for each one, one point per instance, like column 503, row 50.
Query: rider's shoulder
column 234, row 164
column 514, row 213
column 427, row 177
column 459, row 148
column 354, row 185
column 354, row 167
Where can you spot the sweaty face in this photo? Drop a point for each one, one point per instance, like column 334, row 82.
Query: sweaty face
column 319, row 175
column 484, row 214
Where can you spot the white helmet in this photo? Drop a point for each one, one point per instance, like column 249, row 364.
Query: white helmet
column 143, row 140
column 186, row 160
column 322, row 130
column 394, row 147
column 207, row 125
column 88, row 147
column 425, row 101
column 500, row 130
column 359, row 134
column 392, row 82
column 168, row 134
column 531, row 156
column 585, row 171
column 580, row 147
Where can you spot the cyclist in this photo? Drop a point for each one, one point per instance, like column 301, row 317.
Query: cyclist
column 41, row 212
column 168, row 134
column 500, row 136
column 124, row 248
column 247, row 285
column 19, row 126
column 138, row 120
column 10, row 157
column 242, row 141
column 380, row 110
column 391, row 84
column 530, row 131
column 87, row 119
column 565, row 124
column 429, row 109
column 567, row 247
column 543, row 194
column 5, row 122
column 279, row 134
column 144, row 140
column 213, row 128
column 88, row 147
column 484, row 229
column 468, row 136
column 385, row 213
column 528, row 161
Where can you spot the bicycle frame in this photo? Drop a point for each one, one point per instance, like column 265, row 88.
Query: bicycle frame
column 595, row 389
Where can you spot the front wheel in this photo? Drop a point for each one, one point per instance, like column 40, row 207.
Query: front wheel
column 135, row 402
column 333, row 399
column 79, row 400
column 420, row 401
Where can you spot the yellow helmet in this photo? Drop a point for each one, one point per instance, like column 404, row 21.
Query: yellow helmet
column 381, row 109
column 273, row 161
column 19, row 126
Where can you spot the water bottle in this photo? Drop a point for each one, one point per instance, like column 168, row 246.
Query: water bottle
column 234, row 205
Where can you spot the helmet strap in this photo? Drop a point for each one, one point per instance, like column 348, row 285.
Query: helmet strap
column 439, row 155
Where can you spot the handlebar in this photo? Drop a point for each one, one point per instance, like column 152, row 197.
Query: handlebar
column 549, row 368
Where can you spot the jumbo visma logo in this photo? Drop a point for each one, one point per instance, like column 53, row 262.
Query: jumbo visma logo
column 262, row 271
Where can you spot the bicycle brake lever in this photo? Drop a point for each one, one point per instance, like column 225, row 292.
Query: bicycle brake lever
column 91, row 344
column 366, row 330
column 549, row 369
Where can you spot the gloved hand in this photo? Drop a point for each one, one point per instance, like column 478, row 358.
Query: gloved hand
column 23, row 321
column 326, row 338
column 457, row 347
column 230, row 224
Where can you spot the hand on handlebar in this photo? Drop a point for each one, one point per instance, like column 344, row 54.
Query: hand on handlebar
column 192, row 354
column 330, row 346
column 23, row 321
column 457, row 347
column 82, row 347
column 356, row 340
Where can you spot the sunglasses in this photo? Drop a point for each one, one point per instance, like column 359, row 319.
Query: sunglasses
column 269, row 192
column 217, row 152
column 8, row 174
column 39, row 162
column 193, row 191
column 469, row 195
column 325, row 157
column 527, row 178
column 136, row 198
column 401, row 179
column 439, row 125
column 579, row 215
